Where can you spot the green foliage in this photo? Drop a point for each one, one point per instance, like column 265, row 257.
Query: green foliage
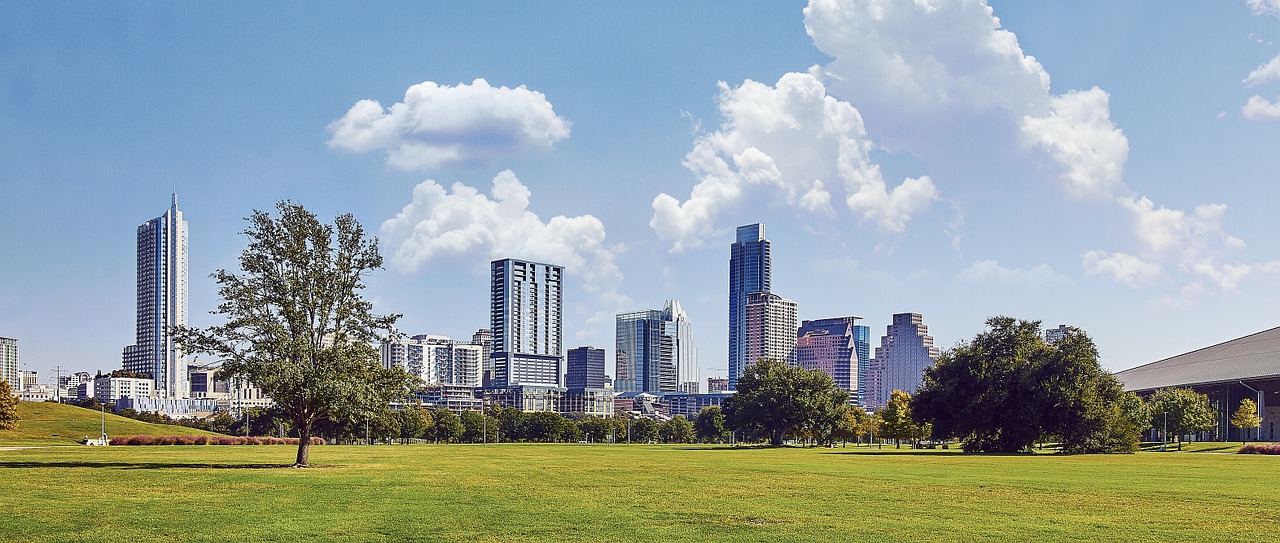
column 1187, row 411
column 775, row 400
column 596, row 429
column 446, row 426
column 1246, row 416
column 1008, row 389
column 297, row 327
column 676, row 430
column 709, row 425
column 544, row 427
column 474, row 424
column 8, row 407
column 644, row 430
column 895, row 419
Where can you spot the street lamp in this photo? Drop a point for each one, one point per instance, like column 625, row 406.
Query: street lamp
column 1164, row 435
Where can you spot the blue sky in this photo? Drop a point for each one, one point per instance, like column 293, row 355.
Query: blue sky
column 1105, row 164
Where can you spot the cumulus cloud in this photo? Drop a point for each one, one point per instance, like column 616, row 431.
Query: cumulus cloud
column 1121, row 268
column 461, row 220
column 1264, row 7
column 1265, row 73
column 990, row 271
column 1260, row 109
column 795, row 141
column 437, row 125
column 944, row 64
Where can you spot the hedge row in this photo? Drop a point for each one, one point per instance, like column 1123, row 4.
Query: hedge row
column 1260, row 448
column 209, row 440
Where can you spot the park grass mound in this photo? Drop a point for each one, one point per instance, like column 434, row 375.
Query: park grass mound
column 45, row 423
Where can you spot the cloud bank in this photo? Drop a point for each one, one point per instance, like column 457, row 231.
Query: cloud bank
column 915, row 65
column 437, row 125
column 794, row 142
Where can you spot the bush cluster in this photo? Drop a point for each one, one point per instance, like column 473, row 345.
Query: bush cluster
column 209, row 440
column 1260, row 448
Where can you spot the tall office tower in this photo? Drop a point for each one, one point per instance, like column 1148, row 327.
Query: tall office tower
column 770, row 328
column 862, row 346
column 655, row 351
column 484, row 339
column 829, row 345
column 1052, row 335
column 526, row 316
column 905, row 351
column 162, row 303
column 748, row 272
column 9, row 363
column 585, row 368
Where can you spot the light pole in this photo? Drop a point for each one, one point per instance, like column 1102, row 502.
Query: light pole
column 485, row 418
column 1164, row 434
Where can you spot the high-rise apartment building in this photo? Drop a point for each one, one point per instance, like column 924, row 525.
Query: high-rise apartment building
column 1052, row 335
column 484, row 338
column 770, row 328
column 9, row 368
column 830, row 346
column 585, row 368
column 749, row 271
column 862, row 347
column 162, row 304
column 435, row 360
column 526, row 316
column 905, row 351
column 655, row 351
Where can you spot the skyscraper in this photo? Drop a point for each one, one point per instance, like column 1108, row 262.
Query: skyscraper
column 770, row 328
column 526, row 316
column 585, row 368
column 905, row 351
column 484, row 339
column 830, row 346
column 9, row 363
column 162, row 303
column 655, row 352
column 749, row 267
column 862, row 346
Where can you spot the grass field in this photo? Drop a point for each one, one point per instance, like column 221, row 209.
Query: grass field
column 44, row 423
column 630, row 493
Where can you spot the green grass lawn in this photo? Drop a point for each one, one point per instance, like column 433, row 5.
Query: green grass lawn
column 44, row 423
column 571, row 492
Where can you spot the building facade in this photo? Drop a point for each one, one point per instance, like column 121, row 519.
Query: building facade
column 484, row 338
column 830, row 346
column 435, row 360
column 749, row 272
column 770, row 328
column 9, row 367
column 717, row 384
column 862, row 347
column 905, row 351
column 585, row 368
column 161, row 304
column 526, row 320
column 654, row 351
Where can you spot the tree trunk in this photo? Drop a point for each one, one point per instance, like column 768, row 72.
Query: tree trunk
column 304, row 446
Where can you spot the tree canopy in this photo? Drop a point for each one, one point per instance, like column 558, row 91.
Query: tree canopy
column 1181, row 411
column 775, row 400
column 8, row 407
column 297, row 326
column 1008, row 388
column 1246, row 417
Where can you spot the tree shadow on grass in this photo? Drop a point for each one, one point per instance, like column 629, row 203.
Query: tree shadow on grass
column 139, row 465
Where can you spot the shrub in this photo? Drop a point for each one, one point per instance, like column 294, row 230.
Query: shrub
column 119, row 441
column 1260, row 448
column 200, row 440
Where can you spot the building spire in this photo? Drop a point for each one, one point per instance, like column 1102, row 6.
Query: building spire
column 175, row 196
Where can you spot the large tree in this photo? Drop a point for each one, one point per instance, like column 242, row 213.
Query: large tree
column 1008, row 388
column 896, row 422
column 775, row 400
column 1181, row 411
column 297, row 326
column 1246, row 418
column 709, row 425
column 8, row 407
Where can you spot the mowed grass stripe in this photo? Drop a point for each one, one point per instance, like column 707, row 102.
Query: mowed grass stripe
column 575, row 492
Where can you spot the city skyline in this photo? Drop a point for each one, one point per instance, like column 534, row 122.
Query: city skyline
column 1082, row 165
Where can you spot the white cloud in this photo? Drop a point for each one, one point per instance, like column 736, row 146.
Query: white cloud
column 1121, row 268
column 1264, row 7
column 440, row 223
column 1265, row 73
column 990, row 271
column 933, row 73
column 795, row 141
column 1259, row 109
column 1079, row 134
column 441, row 124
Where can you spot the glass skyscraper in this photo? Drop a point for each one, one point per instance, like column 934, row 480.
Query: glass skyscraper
column 526, row 320
column 655, row 352
column 830, row 346
column 749, row 270
column 162, row 304
column 905, row 351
